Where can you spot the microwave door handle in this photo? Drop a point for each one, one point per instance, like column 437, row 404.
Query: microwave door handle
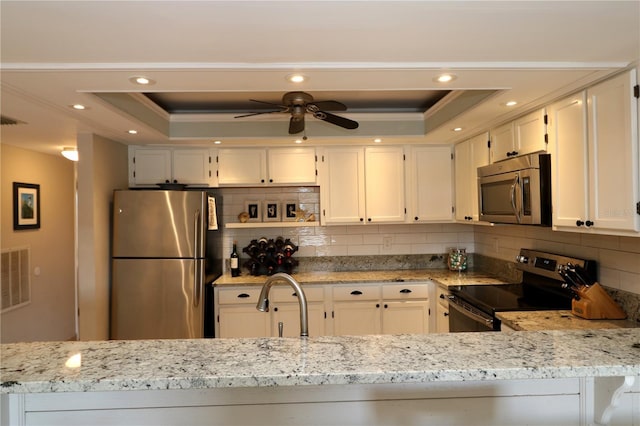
column 514, row 207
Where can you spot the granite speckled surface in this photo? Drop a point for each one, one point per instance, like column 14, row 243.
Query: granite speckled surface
column 263, row 362
column 441, row 276
column 557, row 320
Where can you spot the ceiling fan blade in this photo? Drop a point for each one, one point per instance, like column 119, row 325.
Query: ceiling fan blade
column 257, row 113
column 269, row 103
column 296, row 125
column 330, row 106
column 337, row 120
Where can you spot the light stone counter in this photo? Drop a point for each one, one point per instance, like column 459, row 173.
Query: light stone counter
column 268, row 362
column 557, row 320
column 443, row 277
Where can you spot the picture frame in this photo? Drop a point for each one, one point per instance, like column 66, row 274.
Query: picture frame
column 26, row 206
column 289, row 208
column 254, row 209
column 271, row 211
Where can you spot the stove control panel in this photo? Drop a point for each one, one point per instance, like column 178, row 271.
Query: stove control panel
column 548, row 264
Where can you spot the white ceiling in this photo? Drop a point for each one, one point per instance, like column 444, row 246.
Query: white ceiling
column 58, row 53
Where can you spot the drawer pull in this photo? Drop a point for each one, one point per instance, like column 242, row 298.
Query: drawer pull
column 356, row 292
column 441, row 296
column 405, row 290
column 243, row 295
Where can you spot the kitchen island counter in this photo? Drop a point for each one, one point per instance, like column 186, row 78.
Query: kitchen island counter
column 228, row 363
column 557, row 320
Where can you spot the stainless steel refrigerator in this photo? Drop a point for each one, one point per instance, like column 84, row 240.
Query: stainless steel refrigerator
column 164, row 255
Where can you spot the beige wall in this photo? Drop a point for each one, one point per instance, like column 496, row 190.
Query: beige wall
column 618, row 258
column 101, row 169
column 50, row 315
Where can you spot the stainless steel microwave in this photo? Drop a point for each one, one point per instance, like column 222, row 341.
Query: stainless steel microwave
column 517, row 190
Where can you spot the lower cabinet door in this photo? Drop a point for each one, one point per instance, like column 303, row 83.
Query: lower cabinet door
column 289, row 315
column 243, row 321
column 405, row 317
column 356, row 318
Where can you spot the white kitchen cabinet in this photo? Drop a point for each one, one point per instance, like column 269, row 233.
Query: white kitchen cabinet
column 519, row 137
column 593, row 137
column 363, row 185
column 468, row 156
column 430, row 186
column 442, row 310
column 285, row 308
column 151, row 166
column 236, row 314
column 260, row 166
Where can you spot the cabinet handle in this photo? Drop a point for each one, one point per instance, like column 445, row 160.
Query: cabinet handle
column 275, row 309
column 579, row 223
column 416, row 218
column 405, row 290
column 386, row 306
column 588, row 223
column 356, row 292
column 377, row 305
column 243, row 295
column 441, row 296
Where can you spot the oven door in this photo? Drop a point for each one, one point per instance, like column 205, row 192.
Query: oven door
column 465, row 317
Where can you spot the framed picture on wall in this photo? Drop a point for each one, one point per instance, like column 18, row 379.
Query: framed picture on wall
column 26, row 206
column 289, row 208
column 253, row 208
column 271, row 212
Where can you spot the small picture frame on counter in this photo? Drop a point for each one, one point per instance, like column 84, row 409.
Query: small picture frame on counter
column 289, row 208
column 254, row 211
column 271, row 211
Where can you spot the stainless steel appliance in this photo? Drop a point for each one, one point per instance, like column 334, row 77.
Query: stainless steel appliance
column 164, row 252
column 474, row 307
column 517, row 190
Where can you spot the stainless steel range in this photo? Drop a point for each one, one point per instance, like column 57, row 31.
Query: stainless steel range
column 474, row 307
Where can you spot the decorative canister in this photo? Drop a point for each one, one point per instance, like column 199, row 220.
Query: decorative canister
column 457, row 259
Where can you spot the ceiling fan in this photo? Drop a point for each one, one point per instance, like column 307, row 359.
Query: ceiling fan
column 299, row 103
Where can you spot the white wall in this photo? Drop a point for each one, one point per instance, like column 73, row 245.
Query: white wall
column 102, row 168
column 618, row 258
column 51, row 313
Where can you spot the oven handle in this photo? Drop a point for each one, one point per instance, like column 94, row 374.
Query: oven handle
column 469, row 311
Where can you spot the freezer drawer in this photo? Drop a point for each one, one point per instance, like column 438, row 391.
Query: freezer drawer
column 157, row 299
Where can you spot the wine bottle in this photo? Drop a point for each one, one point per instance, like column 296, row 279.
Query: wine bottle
column 235, row 266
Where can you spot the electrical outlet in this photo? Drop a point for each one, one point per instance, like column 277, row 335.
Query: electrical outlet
column 386, row 243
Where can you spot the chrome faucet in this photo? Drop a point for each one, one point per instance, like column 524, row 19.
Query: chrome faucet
column 263, row 300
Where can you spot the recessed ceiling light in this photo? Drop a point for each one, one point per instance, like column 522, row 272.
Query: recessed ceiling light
column 377, row 140
column 78, row 106
column 444, row 78
column 217, row 142
column 511, row 103
column 457, row 129
column 296, row 78
column 144, row 81
column 132, row 132
column 298, row 140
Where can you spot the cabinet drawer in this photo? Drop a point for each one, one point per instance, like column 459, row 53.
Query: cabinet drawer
column 442, row 296
column 238, row 295
column 287, row 294
column 405, row 291
column 357, row 292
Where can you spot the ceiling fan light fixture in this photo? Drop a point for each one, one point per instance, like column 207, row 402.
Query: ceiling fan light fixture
column 70, row 153
column 296, row 78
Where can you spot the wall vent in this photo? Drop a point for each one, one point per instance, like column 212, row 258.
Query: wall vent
column 15, row 278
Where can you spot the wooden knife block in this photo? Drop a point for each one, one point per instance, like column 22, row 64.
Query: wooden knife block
column 595, row 303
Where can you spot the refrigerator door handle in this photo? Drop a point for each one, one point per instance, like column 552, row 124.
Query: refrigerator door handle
column 198, row 279
column 197, row 273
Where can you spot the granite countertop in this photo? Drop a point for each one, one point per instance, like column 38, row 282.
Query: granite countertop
column 441, row 276
column 263, row 362
column 557, row 320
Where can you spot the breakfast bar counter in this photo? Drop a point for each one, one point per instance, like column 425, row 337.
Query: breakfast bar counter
column 317, row 369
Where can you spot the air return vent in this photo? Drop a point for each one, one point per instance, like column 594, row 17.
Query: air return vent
column 16, row 281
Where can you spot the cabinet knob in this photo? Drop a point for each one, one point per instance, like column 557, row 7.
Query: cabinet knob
column 175, row 181
column 275, row 309
column 377, row 305
column 579, row 223
column 369, row 220
column 167, row 181
column 270, row 180
column 386, row 306
column 588, row 223
column 416, row 218
column 261, row 180
column 441, row 296
column 361, row 220
column 446, row 314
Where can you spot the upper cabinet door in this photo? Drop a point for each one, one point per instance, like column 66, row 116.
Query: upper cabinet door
column 431, row 195
column 342, row 188
column 192, row 166
column 502, row 142
column 530, row 131
column 385, row 188
column 149, row 166
column 240, row 166
column 567, row 129
column 292, row 166
column 613, row 154
column 469, row 155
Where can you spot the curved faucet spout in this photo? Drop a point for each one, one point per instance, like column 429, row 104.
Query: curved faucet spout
column 263, row 300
